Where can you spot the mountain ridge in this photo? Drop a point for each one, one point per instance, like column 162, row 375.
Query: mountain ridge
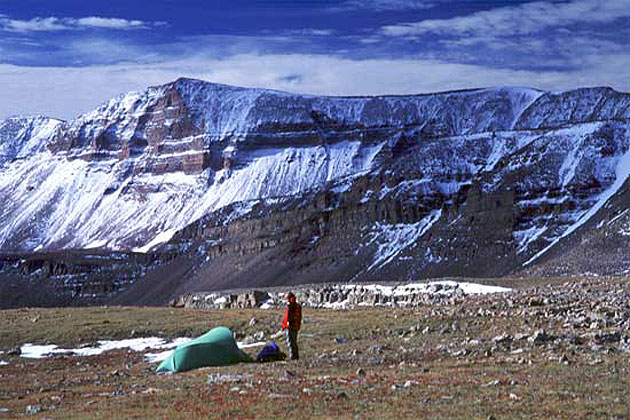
column 476, row 181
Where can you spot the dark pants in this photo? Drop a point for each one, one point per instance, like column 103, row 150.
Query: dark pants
column 291, row 339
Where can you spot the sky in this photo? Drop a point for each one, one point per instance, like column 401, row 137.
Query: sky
column 62, row 58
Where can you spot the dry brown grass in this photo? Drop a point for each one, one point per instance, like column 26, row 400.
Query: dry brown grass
column 121, row 384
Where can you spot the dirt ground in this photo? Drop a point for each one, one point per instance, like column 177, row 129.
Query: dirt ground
column 548, row 352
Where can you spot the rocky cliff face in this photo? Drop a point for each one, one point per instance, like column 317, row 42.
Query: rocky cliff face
column 257, row 187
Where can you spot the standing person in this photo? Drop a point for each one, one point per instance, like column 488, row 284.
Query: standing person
column 291, row 325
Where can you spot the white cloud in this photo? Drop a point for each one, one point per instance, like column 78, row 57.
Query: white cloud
column 66, row 92
column 49, row 24
column 524, row 19
column 382, row 5
column 112, row 23
column 35, row 24
column 308, row 32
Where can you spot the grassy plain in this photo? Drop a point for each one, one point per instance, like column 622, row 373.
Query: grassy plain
column 434, row 362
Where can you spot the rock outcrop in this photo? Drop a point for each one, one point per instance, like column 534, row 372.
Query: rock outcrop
column 250, row 187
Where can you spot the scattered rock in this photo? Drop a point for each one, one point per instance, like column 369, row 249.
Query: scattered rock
column 376, row 349
column 375, row 360
column 219, row 378
column 274, row 396
column 341, row 340
column 33, row 409
column 492, row 383
column 540, row 337
column 503, row 339
column 608, row 338
column 15, row 351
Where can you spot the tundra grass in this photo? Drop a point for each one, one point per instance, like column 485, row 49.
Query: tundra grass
column 364, row 363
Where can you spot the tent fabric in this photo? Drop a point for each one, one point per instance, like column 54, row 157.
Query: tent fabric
column 217, row 347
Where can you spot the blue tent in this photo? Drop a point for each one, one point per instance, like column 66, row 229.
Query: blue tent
column 217, row 347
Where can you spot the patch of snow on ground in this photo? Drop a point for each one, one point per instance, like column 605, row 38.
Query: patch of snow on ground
column 250, row 345
column 34, row 351
column 3, row 363
column 269, row 304
column 134, row 344
column 443, row 287
column 478, row 289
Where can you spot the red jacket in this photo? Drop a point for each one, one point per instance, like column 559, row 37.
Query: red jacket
column 292, row 316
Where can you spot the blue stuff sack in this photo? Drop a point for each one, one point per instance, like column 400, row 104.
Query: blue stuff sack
column 270, row 353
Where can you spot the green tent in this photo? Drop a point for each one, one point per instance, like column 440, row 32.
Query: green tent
column 217, row 347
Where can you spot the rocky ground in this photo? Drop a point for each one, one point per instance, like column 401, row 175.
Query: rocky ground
column 558, row 351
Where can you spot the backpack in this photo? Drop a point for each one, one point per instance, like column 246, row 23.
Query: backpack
column 296, row 319
column 270, row 353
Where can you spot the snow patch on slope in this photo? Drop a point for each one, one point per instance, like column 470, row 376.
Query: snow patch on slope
column 59, row 202
column 527, row 236
column 392, row 239
column 622, row 171
column 283, row 173
column 159, row 239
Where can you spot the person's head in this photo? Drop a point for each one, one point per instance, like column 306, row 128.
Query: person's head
column 290, row 297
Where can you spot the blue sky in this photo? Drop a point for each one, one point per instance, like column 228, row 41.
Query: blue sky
column 64, row 57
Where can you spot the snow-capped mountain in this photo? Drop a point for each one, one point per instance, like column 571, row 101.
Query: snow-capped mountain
column 147, row 164
column 479, row 182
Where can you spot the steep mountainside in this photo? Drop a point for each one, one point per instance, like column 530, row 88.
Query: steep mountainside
column 248, row 186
